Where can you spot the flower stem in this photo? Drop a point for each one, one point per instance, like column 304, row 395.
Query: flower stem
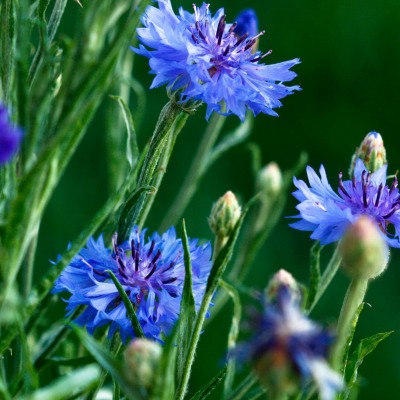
column 354, row 297
column 196, row 171
column 166, row 122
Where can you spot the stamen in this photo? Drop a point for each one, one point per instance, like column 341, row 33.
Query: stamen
column 261, row 57
column 151, row 248
column 378, row 195
column 170, row 280
column 220, row 29
column 240, row 40
column 226, row 51
column 157, row 256
column 250, row 44
column 341, row 186
column 114, row 242
column 231, row 29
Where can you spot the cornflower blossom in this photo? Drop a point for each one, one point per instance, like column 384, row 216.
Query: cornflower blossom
column 151, row 272
column 201, row 56
column 10, row 136
column 329, row 215
column 287, row 348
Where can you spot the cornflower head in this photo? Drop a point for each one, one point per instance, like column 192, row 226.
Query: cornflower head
column 151, row 272
column 328, row 215
column 10, row 136
column 203, row 58
column 288, row 350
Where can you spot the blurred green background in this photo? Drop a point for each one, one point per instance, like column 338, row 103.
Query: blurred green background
column 350, row 57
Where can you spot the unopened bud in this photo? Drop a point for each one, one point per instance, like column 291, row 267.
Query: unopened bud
column 285, row 279
column 371, row 151
column 224, row 215
column 269, row 180
column 142, row 357
column 364, row 251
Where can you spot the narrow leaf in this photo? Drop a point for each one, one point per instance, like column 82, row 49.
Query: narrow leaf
column 68, row 386
column 315, row 274
column 233, row 335
column 211, row 386
column 188, row 309
column 365, row 347
column 132, row 150
column 128, row 305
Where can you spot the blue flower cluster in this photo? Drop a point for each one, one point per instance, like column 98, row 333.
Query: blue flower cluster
column 151, row 272
column 286, row 345
column 10, row 136
column 205, row 58
column 328, row 214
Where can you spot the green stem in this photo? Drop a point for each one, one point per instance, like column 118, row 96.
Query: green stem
column 166, row 121
column 354, row 297
column 196, row 171
column 176, row 129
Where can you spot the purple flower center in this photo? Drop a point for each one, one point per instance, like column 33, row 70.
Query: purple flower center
column 226, row 47
column 141, row 268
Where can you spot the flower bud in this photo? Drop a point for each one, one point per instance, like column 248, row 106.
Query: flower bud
column 363, row 249
column 269, row 180
column 224, row 215
column 371, row 151
column 141, row 359
column 283, row 278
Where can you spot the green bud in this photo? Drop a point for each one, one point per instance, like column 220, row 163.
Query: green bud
column 224, row 215
column 364, row 251
column 269, row 180
column 141, row 359
column 371, row 151
column 282, row 278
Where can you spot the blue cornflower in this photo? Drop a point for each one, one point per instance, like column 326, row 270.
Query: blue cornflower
column 152, row 273
column 328, row 215
column 201, row 56
column 287, row 347
column 10, row 136
column 246, row 23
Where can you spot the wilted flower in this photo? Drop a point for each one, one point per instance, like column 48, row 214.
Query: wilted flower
column 329, row 215
column 288, row 349
column 151, row 272
column 201, row 56
column 10, row 136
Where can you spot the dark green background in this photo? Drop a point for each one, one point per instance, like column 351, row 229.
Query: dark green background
column 350, row 78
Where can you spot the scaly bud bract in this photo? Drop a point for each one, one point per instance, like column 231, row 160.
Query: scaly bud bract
column 224, row 215
column 371, row 151
column 141, row 359
column 363, row 249
column 283, row 278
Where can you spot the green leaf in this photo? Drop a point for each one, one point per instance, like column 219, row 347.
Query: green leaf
column 132, row 150
column 365, row 347
column 315, row 274
column 7, row 48
column 350, row 336
column 233, row 335
column 108, row 361
column 128, row 305
column 64, row 388
column 187, row 313
column 205, row 391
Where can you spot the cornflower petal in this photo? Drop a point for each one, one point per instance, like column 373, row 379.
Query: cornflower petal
column 10, row 137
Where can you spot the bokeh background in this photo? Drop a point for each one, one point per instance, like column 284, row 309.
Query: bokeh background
column 350, row 54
